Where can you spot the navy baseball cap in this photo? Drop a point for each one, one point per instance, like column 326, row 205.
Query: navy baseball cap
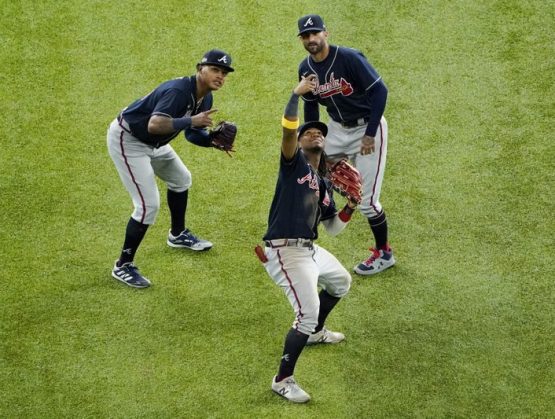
column 312, row 124
column 311, row 23
column 218, row 58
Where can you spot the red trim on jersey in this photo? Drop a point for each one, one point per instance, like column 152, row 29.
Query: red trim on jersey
column 377, row 171
column 132, row 177
column 291, row 286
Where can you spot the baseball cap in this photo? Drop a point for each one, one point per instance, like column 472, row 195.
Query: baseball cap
column 312, row 124
column 218, row 58
column 311, row 23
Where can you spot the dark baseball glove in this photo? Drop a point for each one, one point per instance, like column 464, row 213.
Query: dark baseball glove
column 346, row 180
column 222, row 136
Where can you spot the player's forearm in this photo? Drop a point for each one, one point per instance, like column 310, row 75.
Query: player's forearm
column 377, row 97
column 291, row 111
column 334, row 225
column 290, row 123
column 162, row 125
column 198, row 137
column 337, row 224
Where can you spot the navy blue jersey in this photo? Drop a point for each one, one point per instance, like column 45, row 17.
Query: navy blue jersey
column 345, row 78
column 302, row 199
column 174, row 98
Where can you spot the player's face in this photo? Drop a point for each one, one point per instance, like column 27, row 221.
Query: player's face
column 312, row 140
column 212, row 76
column 314, row 42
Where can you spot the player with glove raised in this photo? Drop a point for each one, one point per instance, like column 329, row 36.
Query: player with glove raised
column 138, row 143
column 304, row 198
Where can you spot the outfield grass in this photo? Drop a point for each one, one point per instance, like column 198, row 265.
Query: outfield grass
column 463, row 326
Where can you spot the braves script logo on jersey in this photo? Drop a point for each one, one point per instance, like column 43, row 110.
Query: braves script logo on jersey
column 334, row 87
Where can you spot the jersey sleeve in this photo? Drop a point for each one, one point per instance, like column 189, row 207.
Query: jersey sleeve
column 171, row 103
column 289, row 165
column 198, row 136
column 362, row 70
column 311, row 111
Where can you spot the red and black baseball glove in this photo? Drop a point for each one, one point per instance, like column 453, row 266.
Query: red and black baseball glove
column 223, row 136
column 346, row 180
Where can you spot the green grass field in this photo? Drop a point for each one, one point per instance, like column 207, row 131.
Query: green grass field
column 462, row 327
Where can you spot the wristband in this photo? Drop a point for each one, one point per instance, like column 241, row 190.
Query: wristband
column 286, row 123
column 346, row 213
column 181, row 123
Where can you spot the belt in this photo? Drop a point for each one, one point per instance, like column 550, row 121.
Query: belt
column 289, row 242
column 123, row 124
column 354, row 123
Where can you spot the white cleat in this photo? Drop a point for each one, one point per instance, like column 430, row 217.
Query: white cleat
column 187, row 240
column 289, row 389
column 325, row 336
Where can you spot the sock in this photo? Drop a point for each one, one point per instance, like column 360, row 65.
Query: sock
column 134, row 234
column 327, row 303
column 378, row 225
column 177, row 202
column 295, row 342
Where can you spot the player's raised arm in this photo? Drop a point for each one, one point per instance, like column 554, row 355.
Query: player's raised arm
column 290, row 120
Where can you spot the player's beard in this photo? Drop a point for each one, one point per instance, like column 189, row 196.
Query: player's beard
column 314, row 47
column 314, row 149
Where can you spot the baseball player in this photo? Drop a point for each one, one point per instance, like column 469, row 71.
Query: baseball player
column 354, row 96
column 295, row 263
column 138, row 143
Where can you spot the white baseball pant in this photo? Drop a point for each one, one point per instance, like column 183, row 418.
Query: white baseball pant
column 138, row 165
column 345, row 142
column 299, row 271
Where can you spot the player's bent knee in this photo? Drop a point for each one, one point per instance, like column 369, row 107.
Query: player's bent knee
column 307, row 322
column 341, row 289
column 147, row 214
column 182, row 186
column 369, row 211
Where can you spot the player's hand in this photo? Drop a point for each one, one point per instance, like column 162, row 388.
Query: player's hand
column 307, row 84
column 367, row 145
column 203, row 119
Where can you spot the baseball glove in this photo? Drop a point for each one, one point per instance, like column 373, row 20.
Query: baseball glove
column 346, row 180
column 223, row 135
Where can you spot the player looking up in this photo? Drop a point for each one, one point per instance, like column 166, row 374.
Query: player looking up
column 354, row 96
column 302, row 199
column 138, row 143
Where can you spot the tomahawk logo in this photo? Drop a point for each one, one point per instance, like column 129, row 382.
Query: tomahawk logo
column 223, row 59
column 309, row 22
